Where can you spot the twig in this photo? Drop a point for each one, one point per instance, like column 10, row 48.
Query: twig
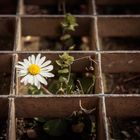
column 131, row 78
column 46, row 91
column 86, row 57
column 113, row 91
column 85, row 110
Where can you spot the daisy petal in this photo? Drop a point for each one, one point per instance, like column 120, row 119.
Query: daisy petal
column 30, row 79
column 20, row 67
column 50, row 74
column 46, row 74
column 24, row 80
column 22, row 73
column 29, row 59
column 48, row 68
column 36, row 82
column 27, row 62
column 38, row 58
column 41, row 60
column 21, row 63
column 41, row 79
column 39, row 85
column 46, row 63
column 33, row 59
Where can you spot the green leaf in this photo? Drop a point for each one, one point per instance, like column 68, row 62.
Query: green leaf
column 59, row 62
column 69, row 22
column 33, row 90
column 63, row 71
column 56, row 127
column 65, row 37
column 87, row 83
column 63, row 79
column 72, row 47
column 66, row 58
column 54, row 86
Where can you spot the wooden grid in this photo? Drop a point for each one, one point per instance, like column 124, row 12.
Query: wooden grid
column 97, row 26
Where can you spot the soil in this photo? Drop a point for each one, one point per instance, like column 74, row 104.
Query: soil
column 5, row 81
column 3, row 127
column 119, row 9
column 46, row 44
column 55, row 9
column 120, row 43
column 6, row 43
column 122, row 83
column 124, row 128
column 28, row 129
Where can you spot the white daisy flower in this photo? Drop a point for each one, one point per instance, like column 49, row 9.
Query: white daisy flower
column 35, row 70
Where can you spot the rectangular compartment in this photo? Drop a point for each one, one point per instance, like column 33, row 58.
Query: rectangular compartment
column 43, row 33
column 119, row 33
column 59, row 107
column 57, row 7
column 8, row 7
column 5, row 74
column 123, row 117
column 118, row 7
column 79, row 67
column 4, row 118
column 7, row 33
column 121, row 73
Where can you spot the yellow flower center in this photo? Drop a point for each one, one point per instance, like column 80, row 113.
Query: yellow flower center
column 34, row 69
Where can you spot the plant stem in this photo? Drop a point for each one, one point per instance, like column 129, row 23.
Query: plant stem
column 80, row 85
column 86, row 57
column 69, row 73
column 46, row 91
column 64, row 6
column 92, row 85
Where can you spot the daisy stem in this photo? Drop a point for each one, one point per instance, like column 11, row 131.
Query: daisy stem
column 46, row 91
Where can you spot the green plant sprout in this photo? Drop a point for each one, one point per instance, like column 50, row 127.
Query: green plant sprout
column 67, row 38
column 67, row 42
column 64, row 73
column 66, row 77
column 68, row 25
